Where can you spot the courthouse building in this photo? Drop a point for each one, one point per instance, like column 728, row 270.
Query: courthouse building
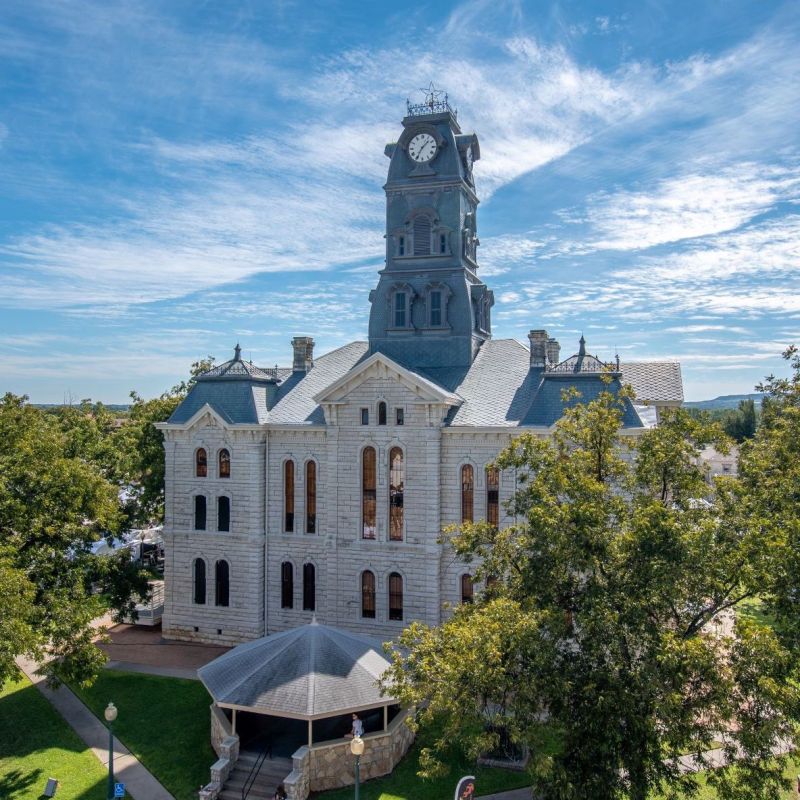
column 322, row 488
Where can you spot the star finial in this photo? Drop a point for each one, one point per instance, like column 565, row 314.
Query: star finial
column 432, row 94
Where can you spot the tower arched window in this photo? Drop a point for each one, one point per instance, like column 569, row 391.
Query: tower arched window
column 288, row 496
column 368, row 493
column 222, row 587
column 309, row 587
column 467, row 589
column 199, row 581
column 422, row 235
column 435, row 308
column 224, row 464
column 395, row 596
column 311, row 497
column 467, row 493
column 199, row 512
column 201, row 462
column 287, row 585
column 381, row 413
column 493, row 496
column 400, row 310
column 368, row 594
column 396, row 491
column 223, row 513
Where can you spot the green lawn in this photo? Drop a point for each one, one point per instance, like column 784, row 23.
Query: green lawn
column 164, row 722
column 403, row 783
column 36, row 744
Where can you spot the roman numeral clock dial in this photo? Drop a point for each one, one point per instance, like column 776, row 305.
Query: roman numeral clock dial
column 422, row 148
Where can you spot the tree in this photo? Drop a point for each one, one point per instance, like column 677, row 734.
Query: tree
column 600, row 641
column 741, row 424
column 142, row 445
column 54, row 504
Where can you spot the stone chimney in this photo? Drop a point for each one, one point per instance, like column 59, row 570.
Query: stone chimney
column 303, row 347
column 538, row 340
column 553, row 351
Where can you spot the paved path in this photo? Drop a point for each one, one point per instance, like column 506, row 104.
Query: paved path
column 139, row 783
column 514, row 794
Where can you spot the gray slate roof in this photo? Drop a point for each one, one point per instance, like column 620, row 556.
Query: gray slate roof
column 498, row 390
column 309, row 672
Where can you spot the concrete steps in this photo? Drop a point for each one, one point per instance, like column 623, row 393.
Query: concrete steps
column 273, row 772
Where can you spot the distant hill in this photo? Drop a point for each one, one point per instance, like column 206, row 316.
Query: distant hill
column 726, row 401
column 109, row 407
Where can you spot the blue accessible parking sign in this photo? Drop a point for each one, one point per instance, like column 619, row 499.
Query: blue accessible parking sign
column 119, row 790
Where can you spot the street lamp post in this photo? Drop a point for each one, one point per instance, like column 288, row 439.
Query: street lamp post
column 110, row 715
column 357, row 749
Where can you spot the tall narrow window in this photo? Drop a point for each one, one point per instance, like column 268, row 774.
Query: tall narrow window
column 201, row 463
column 467, row 493
column 399, row 416
column 442, row 243
column 199, row 577
column 381, row 413
column 467, row 590
column 311, row 497
column 222, row 588
column 396, row 489
column 287, row 585
column 288, row 496
column 368, row 594
column 309, row 587
column 399, row 309
column 395, row 596
column 422, row 235
column 223, row 514
column 365, row 416
column 199, row 512
column 493, row 496
column 368, row 493
column 401, row 246
column 224, row 464
column 435, row 298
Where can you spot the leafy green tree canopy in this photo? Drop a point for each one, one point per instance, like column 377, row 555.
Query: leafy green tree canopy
column 605, row 641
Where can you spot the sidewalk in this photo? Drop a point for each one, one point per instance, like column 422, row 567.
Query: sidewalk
column 139, row 783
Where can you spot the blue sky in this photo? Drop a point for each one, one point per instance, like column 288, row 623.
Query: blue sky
column 177, row 176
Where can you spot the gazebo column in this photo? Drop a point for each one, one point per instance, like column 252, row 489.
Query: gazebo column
column 310, row 733
column 385, row 717
column 234, row 722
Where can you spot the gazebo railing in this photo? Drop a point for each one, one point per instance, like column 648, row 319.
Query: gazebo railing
column 256, row 768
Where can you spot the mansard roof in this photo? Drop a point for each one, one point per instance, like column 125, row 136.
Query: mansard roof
column 308, row 672
column 499, row 388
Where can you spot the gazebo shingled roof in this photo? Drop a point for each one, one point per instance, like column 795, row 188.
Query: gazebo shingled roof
column 309, row 672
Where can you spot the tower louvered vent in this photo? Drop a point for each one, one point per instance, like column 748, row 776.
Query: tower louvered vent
column 422, row 235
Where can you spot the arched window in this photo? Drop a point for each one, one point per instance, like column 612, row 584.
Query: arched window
column 201, row 463
column 435, row 308
column 222, row 588
column 309, row 587
column 467, row 589
column 493, row 496
column 368, row 594
column 395, row 596
column 396, row 489
column 223, row 513
column 467, row 493
column 311, row 497
column 199, row 512
column 400, row 315
column 368, row 493
column 224, row 464
column 199, row 580
column 422, row 235
column 288, row 496
column 287, row 585
column 381, row 413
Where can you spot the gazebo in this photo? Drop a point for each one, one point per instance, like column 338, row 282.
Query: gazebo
column 299, row 689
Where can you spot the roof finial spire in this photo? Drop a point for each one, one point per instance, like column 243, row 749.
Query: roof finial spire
column 237, row 352
column 582, row 348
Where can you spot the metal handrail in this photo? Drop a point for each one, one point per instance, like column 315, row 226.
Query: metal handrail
column 256, row 768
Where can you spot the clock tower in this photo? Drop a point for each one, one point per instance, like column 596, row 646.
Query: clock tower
column 430, row 310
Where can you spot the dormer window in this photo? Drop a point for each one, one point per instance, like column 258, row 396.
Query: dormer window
column 400, row 310
column 436, row 308
column 443, row 243
column 436, row 297
column 401, row 245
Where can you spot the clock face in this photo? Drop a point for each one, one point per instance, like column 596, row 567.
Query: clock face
column 422, row 148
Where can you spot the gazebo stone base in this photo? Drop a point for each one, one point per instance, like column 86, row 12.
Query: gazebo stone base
column 331, row 765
